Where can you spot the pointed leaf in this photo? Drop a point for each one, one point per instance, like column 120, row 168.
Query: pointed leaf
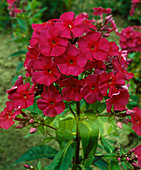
column 43, row 151
column 89, row 135
column 63, row 159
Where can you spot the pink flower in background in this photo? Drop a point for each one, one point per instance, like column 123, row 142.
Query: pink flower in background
column 136, row 120
column 100, row 11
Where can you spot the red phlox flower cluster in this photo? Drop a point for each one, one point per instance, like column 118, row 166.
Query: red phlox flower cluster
column 69, row 59
column 130, row 39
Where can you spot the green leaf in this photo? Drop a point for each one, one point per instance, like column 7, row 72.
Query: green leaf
column 63, row 136
column 43, row 151
column 19, row 66
column 47, row 139
column 89, row 135
column 101, row 107
column 90, row 114
column 114, row 165
column 39, row 167
column 18, row 53
column 109, row 148
column 23, row 25
column 67, row 123
column 63, row 159
column 34, row 108
column 100, row 163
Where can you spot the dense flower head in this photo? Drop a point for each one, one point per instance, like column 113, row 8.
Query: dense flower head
column 136, row 120
column 130, row 38
column 69, row 59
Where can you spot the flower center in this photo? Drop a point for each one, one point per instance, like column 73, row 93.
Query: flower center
column 92, row 87
column 92, row 47
column 53, row 42
column 51, row 102
column 69, row 26
column 71, row 61
column 49, row 71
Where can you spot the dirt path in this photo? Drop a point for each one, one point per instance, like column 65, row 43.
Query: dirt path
column 7, row 66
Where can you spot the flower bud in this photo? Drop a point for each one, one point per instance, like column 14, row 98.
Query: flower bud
column 127, row 158
column 19, row 127
column 119, row 124
column 135, row 164
column 26, row 166
column 31, row 121
column 119, row 159
column 33, row 130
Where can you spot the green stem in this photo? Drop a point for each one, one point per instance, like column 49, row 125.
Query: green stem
column 76, row 157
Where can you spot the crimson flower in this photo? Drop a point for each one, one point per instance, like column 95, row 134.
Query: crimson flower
column 7, row 116
column 93, row 46
column 73, row 89
column 17, row 84
column 137, row 152
column 93, row 92
column 118, row 100
column 23, row 97
column 136, row 120
column 70, row 27
column 51, row 102
column 73, row 61
column 46, row 73
column 51, row 43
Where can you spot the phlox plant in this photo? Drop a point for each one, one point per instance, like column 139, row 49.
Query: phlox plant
column 75, row 85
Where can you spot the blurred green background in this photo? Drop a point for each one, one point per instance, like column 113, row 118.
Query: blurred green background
column 15, row 33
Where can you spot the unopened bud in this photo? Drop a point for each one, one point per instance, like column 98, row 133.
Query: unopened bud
column 135, row 164
column 19, row 127
column 132, row 150
column 26, row 166
column 31, row 121
column 119, row 159
column 119, row 124
column 33, row 130
column 127, row 159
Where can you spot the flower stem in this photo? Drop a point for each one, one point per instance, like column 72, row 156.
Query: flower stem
column 76, row 156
